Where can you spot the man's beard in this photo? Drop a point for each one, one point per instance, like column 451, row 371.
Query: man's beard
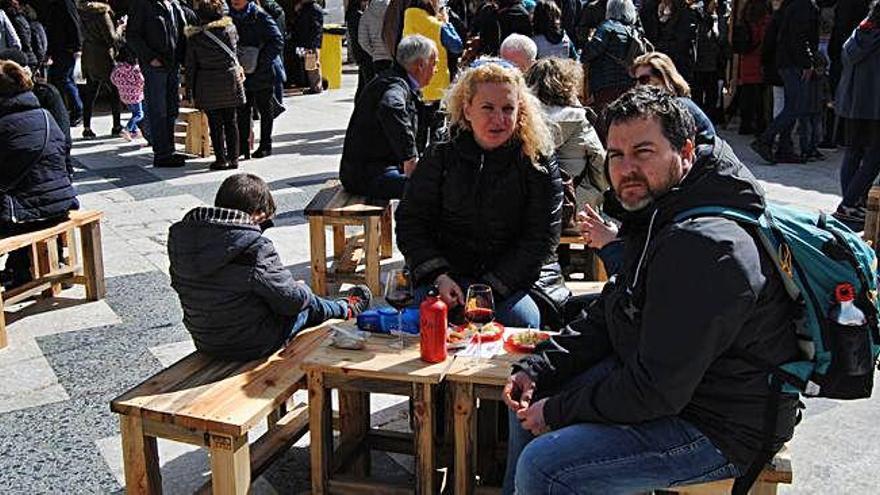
column 651, row 194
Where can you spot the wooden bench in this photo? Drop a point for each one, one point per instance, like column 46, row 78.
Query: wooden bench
column 594, row 269
column 333, row 207
column 213, row 404
column 192, row 132
column 50, row 267
column 777, row 471
column 872, row 218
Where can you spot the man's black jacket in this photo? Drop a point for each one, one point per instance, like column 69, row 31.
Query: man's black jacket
column 492, row 216
column 701, row 292
column 797, row 38
column 156, row 32
column 382, row 130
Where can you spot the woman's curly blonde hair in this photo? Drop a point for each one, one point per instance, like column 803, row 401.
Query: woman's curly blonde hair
column 530, row 129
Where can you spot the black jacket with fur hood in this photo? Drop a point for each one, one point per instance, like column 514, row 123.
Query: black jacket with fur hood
column 211, row 71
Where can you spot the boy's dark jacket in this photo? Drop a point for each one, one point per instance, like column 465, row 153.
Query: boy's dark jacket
column 704, row 290
column 239, row 301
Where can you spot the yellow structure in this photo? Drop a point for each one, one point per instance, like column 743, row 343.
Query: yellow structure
column 331, row 55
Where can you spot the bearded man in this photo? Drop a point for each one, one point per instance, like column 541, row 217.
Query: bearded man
column 649, row 388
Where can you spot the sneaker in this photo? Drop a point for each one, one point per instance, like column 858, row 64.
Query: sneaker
column 763, row 150
column 262, row 152
column 219, row 165
column 124, row 134
column 358, row 300
column 89, row 134
column 852, row 214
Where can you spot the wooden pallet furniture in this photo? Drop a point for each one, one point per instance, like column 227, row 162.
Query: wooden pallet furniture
column 872, row 218
column 355, row 374
column 214, row 404
column 356, row 257
column 50, row 266
column 192, row 132
column 471, row 381
column 595, row 270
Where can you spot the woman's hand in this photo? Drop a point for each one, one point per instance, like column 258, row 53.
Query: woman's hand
column 518, row 391
column 595, row 231
column 450, row 292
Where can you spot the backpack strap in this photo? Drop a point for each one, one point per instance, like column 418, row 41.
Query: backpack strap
column 222, row 45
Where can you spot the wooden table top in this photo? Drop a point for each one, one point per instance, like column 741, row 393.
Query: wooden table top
column 377, row 360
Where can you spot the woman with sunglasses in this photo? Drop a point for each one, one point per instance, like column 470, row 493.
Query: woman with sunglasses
column 657, row 69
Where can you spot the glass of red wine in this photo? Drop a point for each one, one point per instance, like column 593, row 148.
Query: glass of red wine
column 479, row 310
column 399, row 294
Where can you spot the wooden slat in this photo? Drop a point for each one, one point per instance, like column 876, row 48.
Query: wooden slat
column 571, row 239
column 230, row 465
column 353, row 427
column 34, row 287
column 140, row 458
column 872, row 218
column 335, row 202
column 77, row 219
column 321, row 445
column 373, row 386
column 166, row 381
column 3, row 339
column 347, row 485
column 423, row 436
column 318, row 253
column 465, row 424
column 372, row 235
column 390, row 441
column 378, row 360
column 579, row 288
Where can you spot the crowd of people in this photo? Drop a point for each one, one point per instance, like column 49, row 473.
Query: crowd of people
column 499, row 125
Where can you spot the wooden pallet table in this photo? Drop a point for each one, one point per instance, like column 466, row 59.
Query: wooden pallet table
column 196, row 137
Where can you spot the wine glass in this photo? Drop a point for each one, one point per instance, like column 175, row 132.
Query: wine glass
column 479, row 309
column 399, row 294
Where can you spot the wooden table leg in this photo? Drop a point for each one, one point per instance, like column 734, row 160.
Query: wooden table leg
column 354, row 423
column 387, row 234
column 423, row 435
column 93, row 261
column 140, row 458
column 465, row 426
column 318, row 241
column 230, row 465
column 320, row 431
column 371, row 246
column 338, row 241
column 3, row 340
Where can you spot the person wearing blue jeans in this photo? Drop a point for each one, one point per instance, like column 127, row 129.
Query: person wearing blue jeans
column 161, row 101
column 609, row 458
column 137, row 120
column 860, row 167
column 795, row 88
column 388, row 185
column 61, row 76
column 516, row 310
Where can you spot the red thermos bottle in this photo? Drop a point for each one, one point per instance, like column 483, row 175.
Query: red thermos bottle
column 432, row 328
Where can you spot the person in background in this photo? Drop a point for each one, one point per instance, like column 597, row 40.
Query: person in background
column 257, row 30
column 423, row 18
column 557, row 83
column 8, row 34
column 129, row 82
column 63, row 30
column 657, row 69
column 34, row 180
column 711, row 59
column 353, row 16
column 239, row 301
column 486, row 205
column 216, row 79
column 810, row 123
column 308, row 31
column 154, row 32
column 519, row 50
column 370, row 37
column 39, row 40
column 752, row 89
column 550, row 37
column 100, row 43
column 513, row 18
column 857, row 102
column 16, row 14
column 274, row 9
column 605, row 52
column 379, row 151
column 670, row 25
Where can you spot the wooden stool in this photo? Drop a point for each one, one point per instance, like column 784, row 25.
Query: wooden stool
column 193, row 132
column 595, row 269
column 778, row 471
column 50, row 268
column 336, row 208
column 872, row 218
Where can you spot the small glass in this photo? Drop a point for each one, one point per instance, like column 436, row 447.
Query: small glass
column 479, row 310
column 399, row 295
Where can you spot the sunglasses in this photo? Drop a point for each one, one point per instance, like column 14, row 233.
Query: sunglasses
column 646, row 78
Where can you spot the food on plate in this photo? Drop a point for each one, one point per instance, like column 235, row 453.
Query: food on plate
column 462, row 333
column 526, row 341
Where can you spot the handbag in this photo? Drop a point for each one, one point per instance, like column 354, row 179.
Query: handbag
column 239, row 70
column 248, row 57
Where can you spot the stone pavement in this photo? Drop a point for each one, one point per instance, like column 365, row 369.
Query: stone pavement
column 62, row 367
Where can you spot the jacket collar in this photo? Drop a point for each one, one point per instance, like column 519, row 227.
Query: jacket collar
column 219, row 23
column 217, row 215
column 467, row 146
column 19, row 102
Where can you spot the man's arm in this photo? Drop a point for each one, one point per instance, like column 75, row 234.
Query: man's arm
column 134, row 32
column 395, row 122
column 684, row 328
column 273, row 40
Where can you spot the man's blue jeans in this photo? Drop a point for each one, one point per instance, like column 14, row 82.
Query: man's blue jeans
column 518, row 310
column 611, row 459
column 795, row 100
column 61, row 76
column 319, row 311
column 162, row 104
column 389, row 185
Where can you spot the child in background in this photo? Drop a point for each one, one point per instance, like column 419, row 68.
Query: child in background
column 127, row 78
column 818, row 94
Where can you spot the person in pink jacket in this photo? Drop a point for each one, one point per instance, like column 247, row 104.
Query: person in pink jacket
column 127, row 78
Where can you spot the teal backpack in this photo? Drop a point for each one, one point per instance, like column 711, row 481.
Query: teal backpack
column 813, row 253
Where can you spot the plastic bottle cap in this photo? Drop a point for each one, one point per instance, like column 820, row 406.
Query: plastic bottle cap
column 844, row 292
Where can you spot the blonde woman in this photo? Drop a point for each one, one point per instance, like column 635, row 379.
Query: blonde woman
column 657, row 69
column 485, row 206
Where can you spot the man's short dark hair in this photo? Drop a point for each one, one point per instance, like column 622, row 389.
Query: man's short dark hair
column 642, row 102
column 247, row 193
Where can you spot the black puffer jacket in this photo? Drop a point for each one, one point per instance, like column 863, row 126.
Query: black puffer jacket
column 705, row 289
column 239, row 302
column 63, row 27
column 677, row 37
column 34, row 186
column 797, row 39
column 605, row 55
column 308, row 26
column 382, row 130
column 23, row 30
column 490, row 215
column 211, row 71
column 257, row 28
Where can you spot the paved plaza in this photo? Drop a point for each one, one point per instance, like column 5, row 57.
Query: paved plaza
column 63, row 366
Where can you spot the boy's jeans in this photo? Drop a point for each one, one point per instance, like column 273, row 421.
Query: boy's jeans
column 611, row 458
column 318, row 312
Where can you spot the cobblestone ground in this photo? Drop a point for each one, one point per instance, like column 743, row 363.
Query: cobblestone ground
column 62, row 367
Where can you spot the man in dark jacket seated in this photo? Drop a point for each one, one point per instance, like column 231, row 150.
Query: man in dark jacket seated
column 648, row 388
column 35, row 188
column 380, row 143
column 239, row 302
